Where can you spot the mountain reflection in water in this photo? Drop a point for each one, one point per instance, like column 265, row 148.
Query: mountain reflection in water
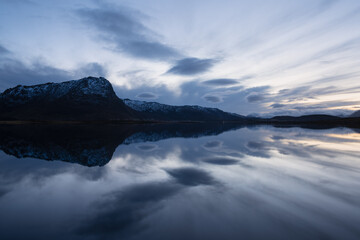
column 182, row 181
column 92, row 145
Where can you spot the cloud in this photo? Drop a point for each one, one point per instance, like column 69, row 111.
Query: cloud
column 277, row 137
column 247, row 77
column 3, row 50
column 20, row 2
column 3, row 192
column 191, row 176
column 221, row 161
column 212, row 98
column 14, row 72
column 277, row 105
column 212, row 144
column 147, row 147
column 123, row 28
column 220, row 82
column 226, row 81
column 255, row 97
column 336, row 78
column 309, row 92
column 91, row 69
column 306, row 92
column 147, row 95
column 256, row 145
column 191, row 66
column 121, row 211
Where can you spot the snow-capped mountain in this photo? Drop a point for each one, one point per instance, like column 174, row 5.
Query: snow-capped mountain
column 84, row 99
column 93, row 99
column 164, row 112
column 79, row 89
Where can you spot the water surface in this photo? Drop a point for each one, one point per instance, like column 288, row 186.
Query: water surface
column 179, row 182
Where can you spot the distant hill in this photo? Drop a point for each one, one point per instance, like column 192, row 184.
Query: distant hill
column 312, row 121
column 355, row 114
column 306, row 118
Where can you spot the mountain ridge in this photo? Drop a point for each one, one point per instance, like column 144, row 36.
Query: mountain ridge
column 84, row 99
column 165, row 112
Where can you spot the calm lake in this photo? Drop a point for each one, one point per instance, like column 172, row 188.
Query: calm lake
column 185, row 181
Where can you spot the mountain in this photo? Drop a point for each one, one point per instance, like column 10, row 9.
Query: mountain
column 85, row 99
column 163, row 112
column 93, row 99
column 355, row 114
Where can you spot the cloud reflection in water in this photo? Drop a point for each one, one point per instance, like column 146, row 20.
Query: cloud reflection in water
column 293, row 182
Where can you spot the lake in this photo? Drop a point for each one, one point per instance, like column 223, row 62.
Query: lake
column 184, row 181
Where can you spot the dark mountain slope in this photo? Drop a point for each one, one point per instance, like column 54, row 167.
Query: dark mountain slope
column 78, row 100
column 312, row 121
column 355, row 114
column 305, row 118
column 164, row 112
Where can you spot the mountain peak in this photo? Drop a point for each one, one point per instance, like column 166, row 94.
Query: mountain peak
column 92, row 86
column 88, row 98
column 74, row 89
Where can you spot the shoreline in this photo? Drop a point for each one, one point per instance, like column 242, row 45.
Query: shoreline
column 341, row 122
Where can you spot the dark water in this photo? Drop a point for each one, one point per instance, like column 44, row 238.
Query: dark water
column 186, row 181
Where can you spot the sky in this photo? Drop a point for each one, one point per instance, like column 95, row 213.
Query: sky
column 258, row 57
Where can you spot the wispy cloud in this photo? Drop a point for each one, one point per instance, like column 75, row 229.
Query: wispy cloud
column 220, row 82
column 3, row 50
column 123, row 28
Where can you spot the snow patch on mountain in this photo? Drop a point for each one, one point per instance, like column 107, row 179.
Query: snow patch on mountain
column 143, row 106
column 50, row 91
